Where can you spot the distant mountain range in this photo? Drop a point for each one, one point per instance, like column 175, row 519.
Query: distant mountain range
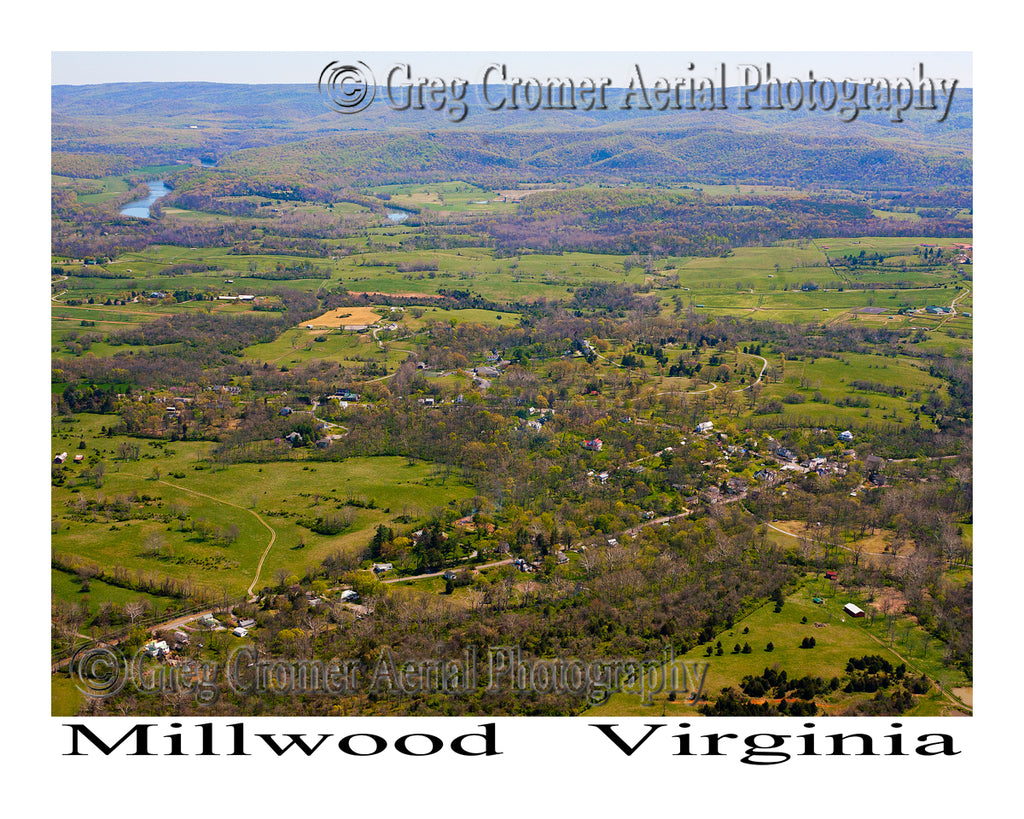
column 157, row 122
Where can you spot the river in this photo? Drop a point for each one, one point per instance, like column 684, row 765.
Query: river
column 140, row 209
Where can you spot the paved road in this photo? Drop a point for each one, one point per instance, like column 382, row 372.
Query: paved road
column 450, row 569
column 635, row 530
column 760, row 375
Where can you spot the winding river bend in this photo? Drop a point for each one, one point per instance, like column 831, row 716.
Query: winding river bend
column 140, row 209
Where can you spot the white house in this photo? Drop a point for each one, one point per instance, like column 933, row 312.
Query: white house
column 705, row 426
column 156, row 648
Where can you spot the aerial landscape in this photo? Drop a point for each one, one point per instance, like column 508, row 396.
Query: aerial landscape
column 535, row 411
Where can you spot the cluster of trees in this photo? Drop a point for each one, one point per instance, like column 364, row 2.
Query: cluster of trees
column 680, row 223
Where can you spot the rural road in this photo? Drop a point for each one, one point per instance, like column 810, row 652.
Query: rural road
column 760, row 375
column 174, row 622
column 714, row 385
column 812, row 540
column 438, row 574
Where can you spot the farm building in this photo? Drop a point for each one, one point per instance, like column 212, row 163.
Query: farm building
column 348, row 596
column 736, row 486
column 846, row 435
column 59, row 459
column 156, row 648
column 712, row 494
column 705, row 426
column 240, row 632
column 873, row 462
column 853, row 611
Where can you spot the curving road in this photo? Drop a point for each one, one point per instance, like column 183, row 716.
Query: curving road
column 273, row 533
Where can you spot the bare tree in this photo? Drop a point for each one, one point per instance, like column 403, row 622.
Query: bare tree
column 135, row 609
column 154, row 543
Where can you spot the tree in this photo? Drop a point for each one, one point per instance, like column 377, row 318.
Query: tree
column 381, row 536
column 154, row 543
column 770, row 647
column 135, row 609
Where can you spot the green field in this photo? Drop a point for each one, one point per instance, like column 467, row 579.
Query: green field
column 839, row 638
column 280, row 493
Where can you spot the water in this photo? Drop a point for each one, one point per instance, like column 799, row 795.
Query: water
column 398, row 216
column 140, row 209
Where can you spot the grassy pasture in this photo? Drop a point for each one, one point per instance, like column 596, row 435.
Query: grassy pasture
column 902, row 216
column 468, row 316
column 452, row 196
column 226, row 496
column 65, row 587
column 299, row 346
column 722, row 285
column 65, row 698
column 840, row 638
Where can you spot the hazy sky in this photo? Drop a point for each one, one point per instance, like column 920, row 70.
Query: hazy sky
column 78, row 67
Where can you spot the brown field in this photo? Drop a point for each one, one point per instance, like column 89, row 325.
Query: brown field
column 345, row 316
column 874, row 543
column 965, row 694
